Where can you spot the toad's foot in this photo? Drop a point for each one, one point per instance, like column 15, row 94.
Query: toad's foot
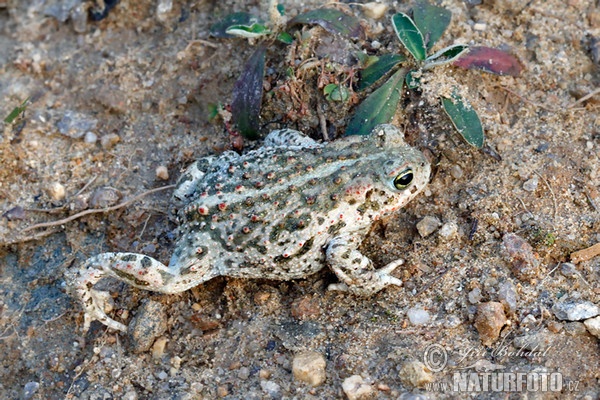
column 355, row 271
column 138, row 270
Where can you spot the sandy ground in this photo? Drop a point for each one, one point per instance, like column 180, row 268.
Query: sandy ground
column 115, row 99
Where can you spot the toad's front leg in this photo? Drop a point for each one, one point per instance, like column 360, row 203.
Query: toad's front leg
column 356, row 271
column 136, row 269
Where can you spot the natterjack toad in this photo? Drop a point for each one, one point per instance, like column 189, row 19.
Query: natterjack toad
column 282, row 211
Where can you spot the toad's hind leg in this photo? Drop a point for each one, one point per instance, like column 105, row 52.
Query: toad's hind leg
column 136, row 269
column 356, row 271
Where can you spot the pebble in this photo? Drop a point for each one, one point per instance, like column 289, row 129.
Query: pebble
column 90, row 137
column 575, row 310
column 243, row 373
column 56, row 191
column 305, row 307
column 309, row 367
column 428, row 225
column 480, row 26
column 132, row 395
column 508, row 296
column 524, row 264
column 375, row 45
column 415, row 374
column 149, row 324
column 489, row 321
column 448, row 230
column 568, row 270
column 531, row 185
column 418, row 316
column 104, row 197
column 575, row 328
column 109, row 141
column 271, row 388
column 474, row 296
column 456, row 171
column 537, row 342
column 356, row 388
column 75, row 125
column 374, row 10
column 30, row 389
column 158, row 348
column 162, row 173
column 593, row 326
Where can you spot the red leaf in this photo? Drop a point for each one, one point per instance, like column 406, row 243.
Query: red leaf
column 490, row 60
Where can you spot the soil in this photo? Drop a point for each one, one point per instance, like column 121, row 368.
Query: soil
column 115, row 99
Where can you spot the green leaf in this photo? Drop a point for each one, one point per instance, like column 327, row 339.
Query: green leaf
column 281, row 9
column 16, row 111
column 445, row 55
column 332, row 20
column 219, row 29
column 431, row 20
column 409, row 35
column 285, row 37
column 335, row 92
column 412, row 82
column 247, row 95
column 465, row 119
column 379, row 107
column 251, row 31
column 378, row 69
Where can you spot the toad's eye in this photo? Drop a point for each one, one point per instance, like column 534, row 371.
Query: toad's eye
column 404, row 179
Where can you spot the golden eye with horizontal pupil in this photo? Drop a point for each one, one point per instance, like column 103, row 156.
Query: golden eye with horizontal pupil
column 404, row 179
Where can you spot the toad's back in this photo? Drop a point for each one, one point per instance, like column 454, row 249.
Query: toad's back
column 269, row 212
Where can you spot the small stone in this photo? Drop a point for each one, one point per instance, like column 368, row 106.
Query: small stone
column 15, row 213
column 375, row 45
column 305, row 307
column 75, row 125
column 593, row 326
column 568, row 270
column 531, row 185
column 356, row 388
column 271, row 388
column 575, row 328
column 56, row 191
column 374, row 10
column 162, row 173
column 524, row 263
column 428, row 225
column 575, row 310
column 30, row 389
column 243, row 373
column 507, row 294
column 149, row 324
column 448, row 230
column 456, row 171
column 222, row 391
column 536, row 342
column 480, row 26
column 90, row 137
column 415, row 374
column 475, row 296
column 158, row 348
column 104, row 197
column 109, row 141
column 489, row 321
column 555, row 326
column 309, row 367
column 418, row 316
column 132, row 395
column 162, row 375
